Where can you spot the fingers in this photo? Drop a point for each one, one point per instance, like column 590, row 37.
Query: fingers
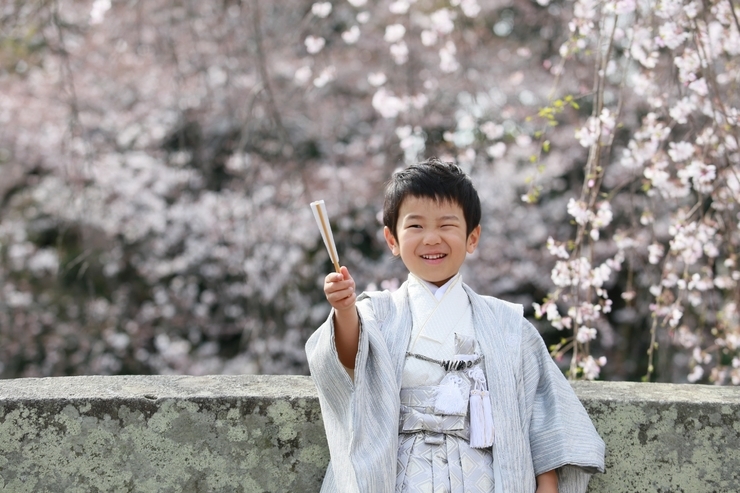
column 342, row 275
column 339, row 288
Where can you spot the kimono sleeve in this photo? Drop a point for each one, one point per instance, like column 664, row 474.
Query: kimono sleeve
column 561, row 433
column 360, row 417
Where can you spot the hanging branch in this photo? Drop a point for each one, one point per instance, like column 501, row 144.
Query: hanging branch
column 262, row 64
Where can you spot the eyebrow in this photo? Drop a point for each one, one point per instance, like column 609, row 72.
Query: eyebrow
column 416, row 217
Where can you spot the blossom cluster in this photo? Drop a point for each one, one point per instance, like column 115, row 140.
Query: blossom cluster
column 684, row 156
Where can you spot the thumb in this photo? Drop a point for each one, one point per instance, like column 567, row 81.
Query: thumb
column 345, row 273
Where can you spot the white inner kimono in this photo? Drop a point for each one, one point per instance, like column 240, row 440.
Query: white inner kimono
column 434, row 454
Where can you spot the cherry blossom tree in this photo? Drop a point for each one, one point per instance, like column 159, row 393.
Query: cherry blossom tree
column 676, row 63
column 159, row 158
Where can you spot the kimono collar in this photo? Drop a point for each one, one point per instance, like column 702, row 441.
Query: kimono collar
column 437, row 291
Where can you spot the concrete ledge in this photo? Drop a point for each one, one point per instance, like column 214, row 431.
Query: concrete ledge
column 161, row 434
column 264, row 434
column 664, row 437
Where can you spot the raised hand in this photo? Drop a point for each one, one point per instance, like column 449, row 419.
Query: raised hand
column 339, row 288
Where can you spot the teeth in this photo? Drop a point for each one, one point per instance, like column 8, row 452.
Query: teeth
column 433, row 257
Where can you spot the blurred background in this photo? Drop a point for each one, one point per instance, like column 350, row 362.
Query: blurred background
column 157, row 160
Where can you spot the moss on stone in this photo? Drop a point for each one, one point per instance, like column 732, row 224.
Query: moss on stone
column 264, row 434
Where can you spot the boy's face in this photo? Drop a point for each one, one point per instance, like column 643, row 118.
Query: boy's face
column 431, row 238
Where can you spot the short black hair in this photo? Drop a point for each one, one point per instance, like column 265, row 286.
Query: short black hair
column 436, row 180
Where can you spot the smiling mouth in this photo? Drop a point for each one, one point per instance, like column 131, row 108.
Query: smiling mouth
column 436, row 256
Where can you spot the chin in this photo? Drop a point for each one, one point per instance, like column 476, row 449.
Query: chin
column 440, row 282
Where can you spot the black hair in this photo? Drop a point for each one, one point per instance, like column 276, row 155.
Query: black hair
column 436, row 180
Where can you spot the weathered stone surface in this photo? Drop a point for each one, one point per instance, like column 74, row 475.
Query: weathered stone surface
column 160, row 434
column 264, row 434
column 666, row 438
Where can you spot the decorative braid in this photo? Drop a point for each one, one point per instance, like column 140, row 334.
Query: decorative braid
column 449, row 364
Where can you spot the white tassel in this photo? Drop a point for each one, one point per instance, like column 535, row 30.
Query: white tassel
column 481, row 422
column 452, row 395
column 488, row 418
column 481, row 417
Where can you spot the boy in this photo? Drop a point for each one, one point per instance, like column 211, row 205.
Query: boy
column 433, row 387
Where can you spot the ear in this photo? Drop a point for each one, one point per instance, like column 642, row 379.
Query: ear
column 473, row 238
column 391, row 241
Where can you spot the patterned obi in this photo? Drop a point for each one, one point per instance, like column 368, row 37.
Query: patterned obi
column 418, row 416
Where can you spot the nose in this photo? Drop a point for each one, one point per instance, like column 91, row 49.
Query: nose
column 432, row 238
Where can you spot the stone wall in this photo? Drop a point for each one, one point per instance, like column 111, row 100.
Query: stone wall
column 264, row 434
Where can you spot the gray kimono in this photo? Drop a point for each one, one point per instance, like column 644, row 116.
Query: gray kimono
column 539, row 422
